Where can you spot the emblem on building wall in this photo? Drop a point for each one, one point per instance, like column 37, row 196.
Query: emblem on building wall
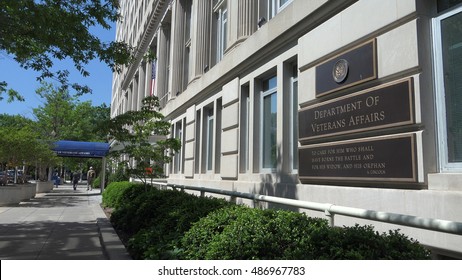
column 340, row 70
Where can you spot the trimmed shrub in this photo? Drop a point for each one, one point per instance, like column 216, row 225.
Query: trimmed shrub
column 196, row 241
column 243, row 233
column 113, row 195
column 120, row 175
column 172, row 224
column 156, row 220
column 364, row 243
column 239, row 232
column 136, row 209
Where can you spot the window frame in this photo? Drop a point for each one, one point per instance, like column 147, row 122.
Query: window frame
column 293, row 142
column 440, row 93
column 244, row 147
column 221, row 13
column 275, row 7
column 263, row 95
column 178, row 157
column 209, row 138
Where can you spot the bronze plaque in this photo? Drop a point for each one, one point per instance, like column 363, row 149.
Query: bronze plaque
column 380, row 159
column 385, row 106
column 350, row 68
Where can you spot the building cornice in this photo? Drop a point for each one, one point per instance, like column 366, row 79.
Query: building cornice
column 148, row 33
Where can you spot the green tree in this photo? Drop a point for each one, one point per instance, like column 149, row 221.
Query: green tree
column 22, row 146
column 53, row 117
column 15, row 122
column 64, row 117
column 134, row 132
column 13, row 131
column 37, row 33
column 87, row 119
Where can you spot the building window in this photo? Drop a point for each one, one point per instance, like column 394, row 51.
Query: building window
column 270, row 8
column 209, row 119
column 221, row 28
column 178, row 158
column 448, row 69
column 268, row 124
column 443, row 5
column 187, row 41
column 294, row 119
column 198, row 150
column 209, row 140
column 245, row 130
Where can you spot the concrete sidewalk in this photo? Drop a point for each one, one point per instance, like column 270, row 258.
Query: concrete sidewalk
column 60, row 225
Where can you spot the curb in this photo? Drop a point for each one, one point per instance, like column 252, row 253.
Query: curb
column 110, row 241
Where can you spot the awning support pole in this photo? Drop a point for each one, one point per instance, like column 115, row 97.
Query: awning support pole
column 103, row 174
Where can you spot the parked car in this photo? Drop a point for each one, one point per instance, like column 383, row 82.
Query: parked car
column 21, row 178
column 10, row 176
column 3, row 178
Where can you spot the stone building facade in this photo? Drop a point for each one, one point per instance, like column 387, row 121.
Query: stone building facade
column 355, row 103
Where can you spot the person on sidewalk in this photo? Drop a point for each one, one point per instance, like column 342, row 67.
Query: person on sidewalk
column 91, row 175
column 75, row 179
column 56, row 178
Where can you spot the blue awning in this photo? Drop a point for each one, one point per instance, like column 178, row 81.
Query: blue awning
column 66, row 148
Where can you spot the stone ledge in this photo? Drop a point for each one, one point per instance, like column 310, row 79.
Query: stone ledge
column 445, row 181
column 10, row 195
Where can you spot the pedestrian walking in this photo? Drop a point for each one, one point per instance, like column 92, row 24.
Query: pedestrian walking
column 91, row 175
column 56, row 179
column 75, row 179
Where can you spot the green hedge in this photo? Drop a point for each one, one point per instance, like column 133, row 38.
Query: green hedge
column 113, row 195
column 169, row 224
column 240, row 232
column 156, row 220
column 245, row 233
column 364, row 243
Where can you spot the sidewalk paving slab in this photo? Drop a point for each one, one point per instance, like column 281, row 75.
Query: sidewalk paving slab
column 59, row 225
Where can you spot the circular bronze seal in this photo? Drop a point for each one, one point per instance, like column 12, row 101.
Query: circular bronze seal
column 340, row 70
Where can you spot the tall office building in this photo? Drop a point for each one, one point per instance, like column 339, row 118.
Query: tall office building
column 354, row 103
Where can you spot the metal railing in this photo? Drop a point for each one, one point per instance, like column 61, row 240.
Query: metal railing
column 330, row 210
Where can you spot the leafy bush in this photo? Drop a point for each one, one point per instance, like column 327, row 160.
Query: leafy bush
column 96, row 183
column 156, row 220
column 243, row 233
column 113, row 195
column 196, row 241
column 175, row 225
column 136, row 209
column 363, row 243
column 240, row 232
column 120, row 175
column 174, row 214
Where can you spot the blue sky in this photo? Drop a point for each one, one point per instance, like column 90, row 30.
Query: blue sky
column 24, row 81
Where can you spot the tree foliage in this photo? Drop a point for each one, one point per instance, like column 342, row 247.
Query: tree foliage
column 64, row 117
column 20, row 144
column 27, row 142
column 134, row 132
column 36, row 33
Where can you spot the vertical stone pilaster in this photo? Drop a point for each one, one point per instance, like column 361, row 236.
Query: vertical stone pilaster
column 247, row 18
column 177, row 49
column 142, row 86
column 202, row 38
column 147, row 73
column 135, row 94
column 190, row 137
column 230, row 130
column 163, row 39
column 129, row 95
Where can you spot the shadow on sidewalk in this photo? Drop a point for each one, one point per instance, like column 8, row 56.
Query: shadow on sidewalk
column 63, row 196
column 51, row 241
